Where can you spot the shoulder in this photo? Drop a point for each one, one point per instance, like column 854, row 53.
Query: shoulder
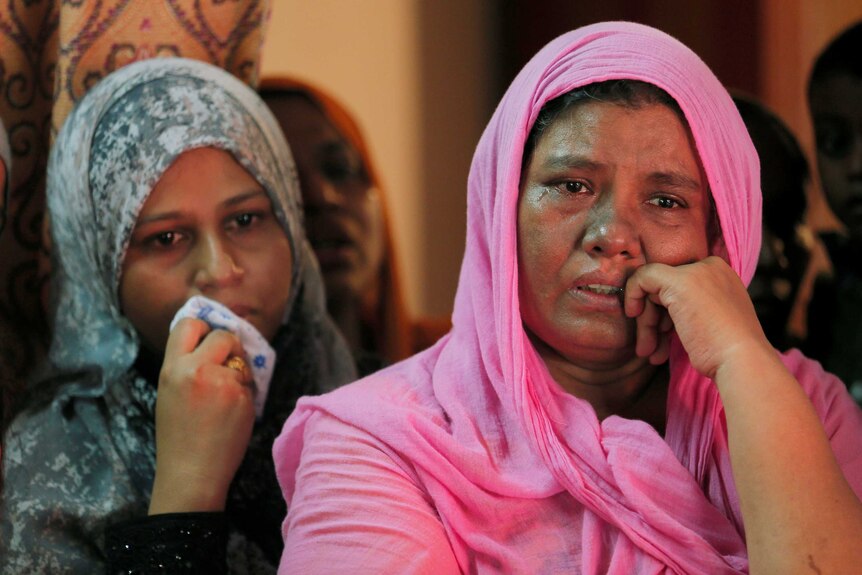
column 825, row 390
column 378, row 414
column 839, row 414
column 405, row 385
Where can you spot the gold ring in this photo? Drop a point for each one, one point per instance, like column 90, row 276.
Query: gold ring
column 239, row 364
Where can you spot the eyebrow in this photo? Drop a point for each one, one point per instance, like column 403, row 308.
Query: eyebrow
column 673, row 180
column 569, row 161
column 230, row 202
column 669, row 179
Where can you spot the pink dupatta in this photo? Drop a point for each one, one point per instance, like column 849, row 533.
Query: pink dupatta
column 479, row 419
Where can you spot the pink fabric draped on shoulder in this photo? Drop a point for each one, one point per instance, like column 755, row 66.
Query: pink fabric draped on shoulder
column 470, row 457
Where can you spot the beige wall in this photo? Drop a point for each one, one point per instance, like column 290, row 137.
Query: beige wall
column 794, row 32
column 412, row 73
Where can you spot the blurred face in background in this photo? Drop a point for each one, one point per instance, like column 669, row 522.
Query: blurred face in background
column 837, row 115
column 343, row 213
column 2, row 195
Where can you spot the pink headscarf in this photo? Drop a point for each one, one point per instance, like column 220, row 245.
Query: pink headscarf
column 480, row 418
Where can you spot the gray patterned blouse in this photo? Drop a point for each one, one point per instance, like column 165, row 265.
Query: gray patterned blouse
column 82, row 457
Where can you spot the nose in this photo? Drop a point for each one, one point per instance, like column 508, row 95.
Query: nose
column 318, row 193
column 214, row 265
column 610, row 230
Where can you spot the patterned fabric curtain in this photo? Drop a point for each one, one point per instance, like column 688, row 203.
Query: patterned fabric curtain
column 51, row 53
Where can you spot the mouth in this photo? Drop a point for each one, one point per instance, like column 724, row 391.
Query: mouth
column 602, row 289
column 240, row 310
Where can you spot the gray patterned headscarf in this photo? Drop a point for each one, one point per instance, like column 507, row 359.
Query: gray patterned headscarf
column 137, row 122
column 92, row 445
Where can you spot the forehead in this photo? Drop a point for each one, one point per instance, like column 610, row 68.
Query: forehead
column 298, row 114
column 837, row 93
column 644, row 135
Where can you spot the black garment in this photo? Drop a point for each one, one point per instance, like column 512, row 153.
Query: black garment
column 173, row 543
column 835, row 313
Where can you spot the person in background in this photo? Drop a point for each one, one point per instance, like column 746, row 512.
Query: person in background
column 9, row 384
column 606, row 401
column 143, row 453
column 784, row 264
column 834, row 96
column 348, row 225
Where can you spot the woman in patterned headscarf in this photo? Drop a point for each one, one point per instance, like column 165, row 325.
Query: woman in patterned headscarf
column 170, row 179
column 606, row 401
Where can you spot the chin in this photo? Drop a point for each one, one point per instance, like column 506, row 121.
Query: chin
column 592, row 348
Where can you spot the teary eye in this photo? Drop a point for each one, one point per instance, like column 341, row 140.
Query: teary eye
column 573, row 187
column 665, row 202
column 244, row 220
column 166, row 239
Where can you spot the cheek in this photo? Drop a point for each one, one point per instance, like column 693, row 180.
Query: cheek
column 370, row 212
column 149, row 310
column 542, row 252
column 676, row 247
column 274, row 274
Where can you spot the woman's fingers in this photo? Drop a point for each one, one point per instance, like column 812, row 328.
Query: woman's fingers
column 648, row 321
column 218, row 346
column 185, row 337
column 204, row 418
column 662, row 350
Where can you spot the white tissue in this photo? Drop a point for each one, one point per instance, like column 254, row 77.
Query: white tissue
column 260, row 354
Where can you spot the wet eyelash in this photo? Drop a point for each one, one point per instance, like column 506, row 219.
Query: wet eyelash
column 676, row 203
column 564, row 186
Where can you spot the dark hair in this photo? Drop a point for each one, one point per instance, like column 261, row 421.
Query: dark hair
column 628, row 93
column 843, row 54
column 783, row 212
column 275, row 93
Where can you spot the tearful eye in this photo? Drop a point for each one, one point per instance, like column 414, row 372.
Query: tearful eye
column 666, row 203
column 166, row 239
column 573, row 187
column 244, row 220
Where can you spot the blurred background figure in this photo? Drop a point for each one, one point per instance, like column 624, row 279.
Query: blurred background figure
column 786, row 250
column 835, row 101
column 9, row 384
column 347, row 224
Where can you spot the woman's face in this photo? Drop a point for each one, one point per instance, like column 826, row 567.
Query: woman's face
column 2, row 194
column 838, row 127
column 608, row 189
column 343, row 215
column 207, row 228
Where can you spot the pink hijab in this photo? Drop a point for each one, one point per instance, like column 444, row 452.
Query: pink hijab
column 479, row 417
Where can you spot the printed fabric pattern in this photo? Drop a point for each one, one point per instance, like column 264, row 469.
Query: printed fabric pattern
column 84, row 457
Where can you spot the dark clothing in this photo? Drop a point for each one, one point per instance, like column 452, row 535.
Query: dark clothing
column 835, row 313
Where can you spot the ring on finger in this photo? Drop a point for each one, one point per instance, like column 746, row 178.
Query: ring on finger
column 239, row 364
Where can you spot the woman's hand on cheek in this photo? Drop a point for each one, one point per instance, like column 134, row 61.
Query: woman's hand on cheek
column 204, row 419
column 704, row 302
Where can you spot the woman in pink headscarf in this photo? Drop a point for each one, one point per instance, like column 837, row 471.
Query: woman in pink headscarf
column 606, row 401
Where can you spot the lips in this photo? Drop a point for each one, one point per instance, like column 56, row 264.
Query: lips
column 241, row 310
column 332, row 242
column 602, row 289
